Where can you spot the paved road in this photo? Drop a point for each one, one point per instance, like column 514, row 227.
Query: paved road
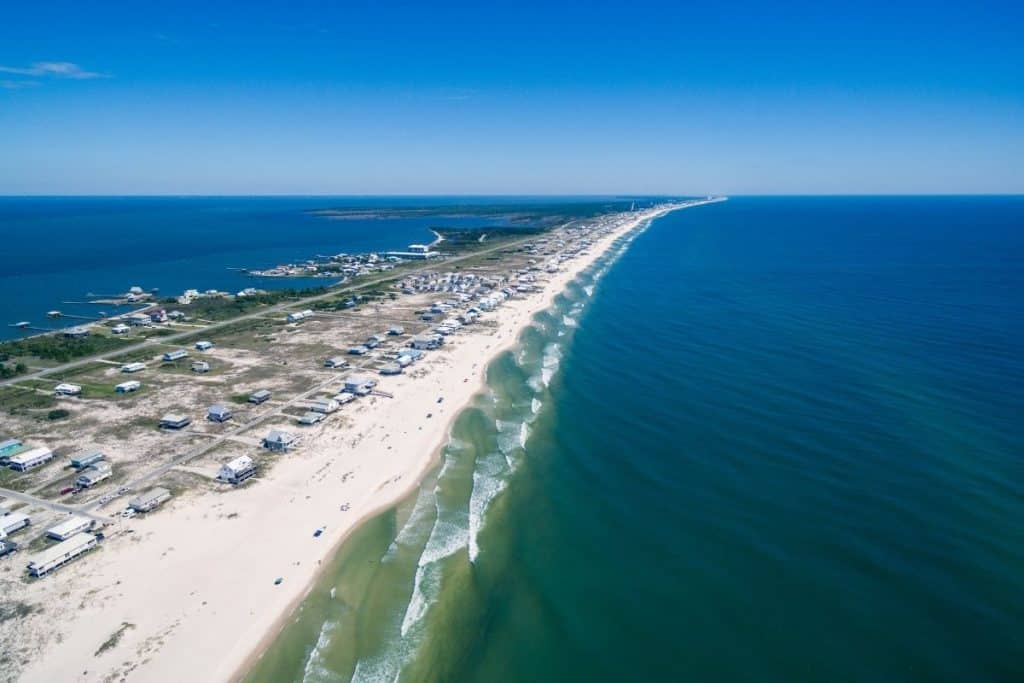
column 51, row 505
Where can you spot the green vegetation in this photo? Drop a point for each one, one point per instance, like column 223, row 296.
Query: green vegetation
column 8, row 371
column 217, row 308
column 14, row 610
column 16, row 400
column 57, row 347
column 57, row 414
column 114, row 638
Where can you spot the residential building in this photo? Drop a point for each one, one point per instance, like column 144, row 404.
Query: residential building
column 238, row 470
column 30, row 459
column 260, row 396
column 175, row 421
column 218, row 413
column 128, row 387
column 83, row 459
column 74, row 524
column 149, row 500
column 65, row 389
column 279, row 441
column 94, row 474
column 57, row 556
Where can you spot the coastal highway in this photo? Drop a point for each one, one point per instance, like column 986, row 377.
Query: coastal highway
column 277, row 308
column 50, row 505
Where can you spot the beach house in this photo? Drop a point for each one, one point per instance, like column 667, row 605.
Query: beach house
column 15, row 521
column 336, row 362
column 128, row 387
column 57, row 556
column 9, row 447
column 260, row 396
column 65, row 389
column 200, row 366
column 279, row 441
column 361, row 385
column 218, row 413
column 391, row 369
column 74, row 524
column 175, row 421
column 30, row 459
column 85, row 458
column 94, row 474
column 204, row 345
column 238, row 470
column 133, row 367
column 149, row 500
column 172, row 356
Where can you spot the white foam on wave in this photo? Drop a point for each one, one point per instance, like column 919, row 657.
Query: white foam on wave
column 535, row 405
column 569, row 321
column 446, row 538
column 416, row 526
column 549, row 363
column 315, row 671
column 589, row 289
column 490, row 477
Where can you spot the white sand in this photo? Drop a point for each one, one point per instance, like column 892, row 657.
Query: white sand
column 196, row 580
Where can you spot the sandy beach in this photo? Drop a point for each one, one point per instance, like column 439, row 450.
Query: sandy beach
column 190, row 593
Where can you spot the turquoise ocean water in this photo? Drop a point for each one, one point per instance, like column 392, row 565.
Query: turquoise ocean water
column 770, row 439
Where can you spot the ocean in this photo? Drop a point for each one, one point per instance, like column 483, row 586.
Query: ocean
column 770, row 439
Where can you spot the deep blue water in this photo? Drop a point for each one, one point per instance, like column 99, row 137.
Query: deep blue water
column 777, row 439
column 60, row 249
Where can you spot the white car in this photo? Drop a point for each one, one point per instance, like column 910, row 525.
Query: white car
column 128, row 513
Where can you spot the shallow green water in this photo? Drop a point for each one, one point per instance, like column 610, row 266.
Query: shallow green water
column 779, row 439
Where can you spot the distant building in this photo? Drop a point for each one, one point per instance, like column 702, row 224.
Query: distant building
column 218, row 413
column 391, row 369
column 149, row 500
column 204, row 345
column 336, row 362
column 325, row 407
column 120, row 328
column 133, row 367
column 64, row 389
column 396, row 330
column 76, row 333
column 260, row 396
column 359, row 384
column 172, row 356
column 279, row 441
column 200, row 366
column 311, row 418
column 359, row 350
column 299, row 315
column 175, row 421
column 128, row 387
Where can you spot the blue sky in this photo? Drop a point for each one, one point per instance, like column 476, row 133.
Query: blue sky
column 511, row 97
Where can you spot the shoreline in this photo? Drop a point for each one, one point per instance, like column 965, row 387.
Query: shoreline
column 479, row 386
column 208, row 602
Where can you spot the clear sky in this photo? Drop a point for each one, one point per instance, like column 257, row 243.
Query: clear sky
column 521, row 97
